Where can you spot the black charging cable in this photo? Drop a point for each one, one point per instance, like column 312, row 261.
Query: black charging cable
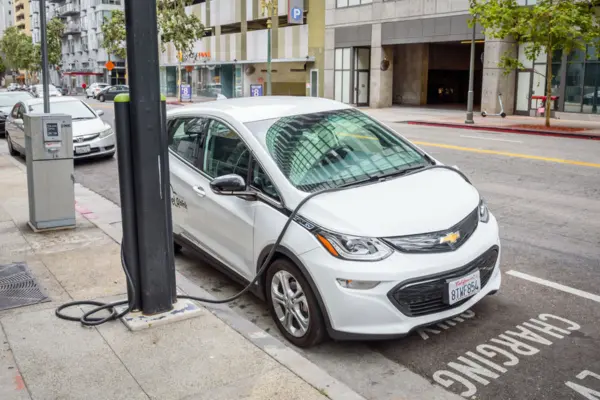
column 87, row 320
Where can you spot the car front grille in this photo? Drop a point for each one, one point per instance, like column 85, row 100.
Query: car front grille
column 435, row 242
column 426, row 295
column 85, row 138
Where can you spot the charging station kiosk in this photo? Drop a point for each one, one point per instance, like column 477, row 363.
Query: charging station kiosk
column 50, row 180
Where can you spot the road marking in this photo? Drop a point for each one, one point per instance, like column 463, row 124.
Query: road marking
column 486, row 138
column 555, row 285
column 507, row 154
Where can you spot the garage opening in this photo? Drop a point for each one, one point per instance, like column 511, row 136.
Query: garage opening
column 448, row 73
column 436, row 74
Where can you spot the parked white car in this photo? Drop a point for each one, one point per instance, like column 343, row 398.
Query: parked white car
column 38, row 91
column 94, row 89
column 403, row 243
column 92, row 137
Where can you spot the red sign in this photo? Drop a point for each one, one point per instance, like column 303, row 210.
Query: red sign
column 109, row 65
column 189, row 68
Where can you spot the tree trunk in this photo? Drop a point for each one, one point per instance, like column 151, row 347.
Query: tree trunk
column 179, row 81
column 548, row 88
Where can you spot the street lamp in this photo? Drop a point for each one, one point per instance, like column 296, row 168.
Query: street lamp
column 469, row 119
column 270, row 6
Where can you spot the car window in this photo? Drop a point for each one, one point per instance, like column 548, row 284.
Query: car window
column 15, row 111
column 185, row 138
column 225, row 152
column 77, row 109
column 113, row 89
column 262, row 182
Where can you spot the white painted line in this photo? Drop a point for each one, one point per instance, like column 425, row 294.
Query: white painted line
column 554, row 285
column 486, row 138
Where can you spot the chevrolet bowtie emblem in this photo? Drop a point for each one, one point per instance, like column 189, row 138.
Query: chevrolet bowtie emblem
column 450, row 238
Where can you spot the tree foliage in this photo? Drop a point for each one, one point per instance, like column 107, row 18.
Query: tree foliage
column 114, row 34
column 547, row 27
column 177, row 27
column 54, row 32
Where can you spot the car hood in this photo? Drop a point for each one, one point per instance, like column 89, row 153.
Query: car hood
column 6, row 110
column 422, row 202
column 88, row 126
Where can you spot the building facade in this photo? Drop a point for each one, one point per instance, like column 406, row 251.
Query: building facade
column 231, row 58
column 22, row 16
column 83, row 58
column 417, row 52
column 6, row 15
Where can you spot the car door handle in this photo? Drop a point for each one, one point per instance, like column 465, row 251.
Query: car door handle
column 199, row 191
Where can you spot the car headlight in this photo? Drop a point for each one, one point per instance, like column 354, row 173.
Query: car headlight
column 352, row 247
column 106, row 133
column 484, row 213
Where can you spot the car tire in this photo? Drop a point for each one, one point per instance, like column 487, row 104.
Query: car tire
column 304, row 307
column 101, row 98
column 11, row 150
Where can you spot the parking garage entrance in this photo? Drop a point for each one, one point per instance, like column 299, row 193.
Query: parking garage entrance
column 436, row 74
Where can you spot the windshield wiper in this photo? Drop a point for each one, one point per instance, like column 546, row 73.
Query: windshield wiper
column 381, row 177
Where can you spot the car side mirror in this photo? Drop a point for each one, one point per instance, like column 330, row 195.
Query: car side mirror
column 231, row 184
column 100, row 113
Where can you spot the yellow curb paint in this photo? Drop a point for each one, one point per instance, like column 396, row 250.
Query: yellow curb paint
column 508, row 154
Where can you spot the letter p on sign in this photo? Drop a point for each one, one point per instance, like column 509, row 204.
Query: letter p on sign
column 295, row 11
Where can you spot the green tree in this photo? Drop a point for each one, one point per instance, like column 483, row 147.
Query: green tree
column 10, row 45
column 547, row 27
column 54, row 32
column 178, row 28
column 114, row 34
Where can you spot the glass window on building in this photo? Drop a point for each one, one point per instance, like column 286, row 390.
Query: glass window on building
column 342, row 74
column 350, row 3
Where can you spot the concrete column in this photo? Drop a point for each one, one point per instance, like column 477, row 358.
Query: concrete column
column 329, row 76
column 381, row 81
column 494, row 79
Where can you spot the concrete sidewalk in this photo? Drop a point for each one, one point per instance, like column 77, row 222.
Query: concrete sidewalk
column 218, row 355
column 434, row 116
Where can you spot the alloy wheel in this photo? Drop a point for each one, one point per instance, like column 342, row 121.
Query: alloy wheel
column 290, row 303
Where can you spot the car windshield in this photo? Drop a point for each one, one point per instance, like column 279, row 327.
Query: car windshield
column 12, row 98
column 76, row 109
column 334, row 148
column 40, row 88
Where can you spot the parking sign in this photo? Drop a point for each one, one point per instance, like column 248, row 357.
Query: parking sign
column 295, row 11
column 186, row 92
column 256, row 90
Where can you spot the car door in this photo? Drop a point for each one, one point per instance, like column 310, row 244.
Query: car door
column 16, row 127
column 185, row 137
column 228, row 229
column 111, row 93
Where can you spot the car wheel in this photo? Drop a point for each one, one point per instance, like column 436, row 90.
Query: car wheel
column 293, row 305
column 101, row 98
column 11, row 150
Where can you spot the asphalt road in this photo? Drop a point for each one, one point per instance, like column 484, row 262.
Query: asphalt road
column 538, row 336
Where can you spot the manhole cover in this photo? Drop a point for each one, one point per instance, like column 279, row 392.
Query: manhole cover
column 18, row 287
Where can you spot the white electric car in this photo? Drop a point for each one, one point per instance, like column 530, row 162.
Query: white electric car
column 397, row 241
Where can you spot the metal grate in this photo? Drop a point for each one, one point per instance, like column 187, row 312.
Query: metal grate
column 426, row 297
column 18, row 287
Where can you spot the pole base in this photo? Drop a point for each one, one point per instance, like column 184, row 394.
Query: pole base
column 469, row 121
column 182, row 310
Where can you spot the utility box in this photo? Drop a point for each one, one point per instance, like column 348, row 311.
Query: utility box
column 50, row 181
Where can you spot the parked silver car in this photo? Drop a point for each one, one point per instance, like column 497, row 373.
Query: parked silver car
column 92, row 137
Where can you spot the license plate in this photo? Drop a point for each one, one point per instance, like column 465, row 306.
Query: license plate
column 462, row 288
column 82, row 149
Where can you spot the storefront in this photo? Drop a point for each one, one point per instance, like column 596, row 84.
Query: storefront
column 207, row 80
column 575, row 80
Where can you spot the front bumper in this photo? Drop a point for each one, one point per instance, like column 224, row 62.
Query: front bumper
column 98, row 147
column 377, row 313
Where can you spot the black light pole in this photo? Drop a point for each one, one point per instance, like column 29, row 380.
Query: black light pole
column 145, row 190
column 44, row 47
column 469, row 119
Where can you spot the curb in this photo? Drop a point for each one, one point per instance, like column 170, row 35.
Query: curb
column 521, row 131
column 305, row 369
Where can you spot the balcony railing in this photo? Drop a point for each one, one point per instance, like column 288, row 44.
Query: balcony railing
column 68, row 9
column 71, row 29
